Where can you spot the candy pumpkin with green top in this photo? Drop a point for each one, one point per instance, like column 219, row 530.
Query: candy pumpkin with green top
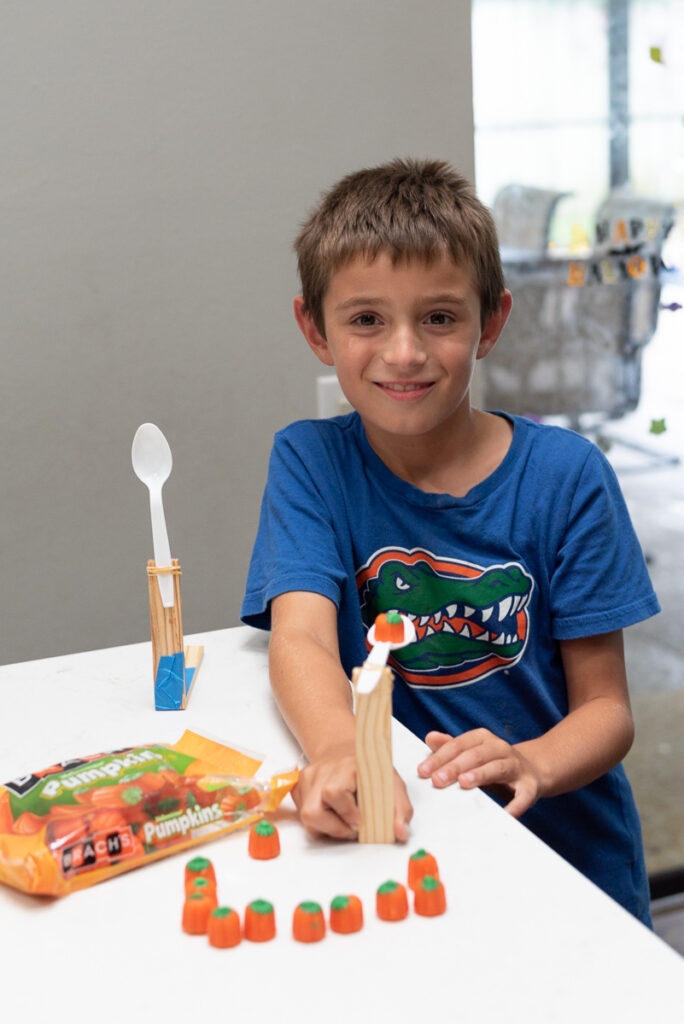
column 196, row 911
column 308, row 923
column 346, row 914
column 421, row 863
column 430, row 899
column 223, row 928
column 260, row 923
column 204, row 886
column 264, row 843
column 389, row 628
column 391, row 901
column 199, row 867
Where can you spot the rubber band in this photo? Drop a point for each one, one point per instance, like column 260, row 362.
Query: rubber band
column 164, row 570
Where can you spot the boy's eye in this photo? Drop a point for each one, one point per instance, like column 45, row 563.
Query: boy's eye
column 366, row 320
column 438, row 318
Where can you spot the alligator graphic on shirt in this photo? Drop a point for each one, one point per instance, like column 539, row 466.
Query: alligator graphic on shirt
column 469, row 620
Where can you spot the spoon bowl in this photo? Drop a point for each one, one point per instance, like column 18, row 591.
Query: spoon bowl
column 151, row 455
column 152, row 462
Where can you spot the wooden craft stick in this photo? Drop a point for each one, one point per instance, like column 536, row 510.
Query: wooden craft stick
column 193, row 659
column 374, row 772
column 166, row 624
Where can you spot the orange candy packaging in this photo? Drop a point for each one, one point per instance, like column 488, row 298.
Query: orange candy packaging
column 85, row 820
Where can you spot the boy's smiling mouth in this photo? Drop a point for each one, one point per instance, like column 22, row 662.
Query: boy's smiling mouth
column 404, row 390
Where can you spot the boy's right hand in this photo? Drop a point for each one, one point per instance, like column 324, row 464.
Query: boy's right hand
column 325, row 796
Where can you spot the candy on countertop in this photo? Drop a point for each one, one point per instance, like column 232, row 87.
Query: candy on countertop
column 205, row 886
column 264, row 843
column 199, row 867
column 391, row 901
column 308, row 923
column 430, row 898
column 223, row 928
column 421, row 863
column 346, row 914
column 260, row 921
column 196, row 911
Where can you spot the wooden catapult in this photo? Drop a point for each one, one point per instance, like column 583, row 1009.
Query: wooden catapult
column 174, row 665
column 372, row 684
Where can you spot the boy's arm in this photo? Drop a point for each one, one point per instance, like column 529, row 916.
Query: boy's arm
column 315, row 699
column 594, row 736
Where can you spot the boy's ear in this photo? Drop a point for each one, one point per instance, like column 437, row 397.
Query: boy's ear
column 317, row 342
column 495, row 325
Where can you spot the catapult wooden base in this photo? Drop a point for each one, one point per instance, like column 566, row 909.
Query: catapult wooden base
column 374, row 771
column 175, row 666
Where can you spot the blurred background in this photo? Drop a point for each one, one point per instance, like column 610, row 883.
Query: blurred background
column 157, row 162
column 581, row 158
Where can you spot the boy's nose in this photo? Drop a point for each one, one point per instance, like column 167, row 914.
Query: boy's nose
column 404, row 348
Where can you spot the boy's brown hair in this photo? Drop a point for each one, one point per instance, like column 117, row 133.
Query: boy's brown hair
column 409, row 209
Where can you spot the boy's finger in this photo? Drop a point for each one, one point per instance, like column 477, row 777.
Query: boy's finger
column 327, row 823
column 453, row 771
column 403, row 811
column 445, row 753
column 435, row 740
column 401, row 829
column 343, row 804
column 448, row 752
column 522, row 800
column 485, row 774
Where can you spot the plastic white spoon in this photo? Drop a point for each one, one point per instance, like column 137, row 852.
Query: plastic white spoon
column 152, row 462
column 377, row 658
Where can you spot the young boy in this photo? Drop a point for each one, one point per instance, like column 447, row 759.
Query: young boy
column 508, row 543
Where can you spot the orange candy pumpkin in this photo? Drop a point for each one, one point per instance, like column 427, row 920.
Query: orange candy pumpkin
column 196, row 911
column 223, row 928
column 430, row 898
column 391, row 901
column 264, row 843
column 260, row 923
column 421, row 863
column 346, row 915
column 389, row 628
column 199, row 867
column 204, row 886
column 308, row 923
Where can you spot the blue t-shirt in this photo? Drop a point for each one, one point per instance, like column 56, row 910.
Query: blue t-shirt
column 542, row 550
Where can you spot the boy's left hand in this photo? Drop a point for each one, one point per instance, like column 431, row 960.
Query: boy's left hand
column 479, row 758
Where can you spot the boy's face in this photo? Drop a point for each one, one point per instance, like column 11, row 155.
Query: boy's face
column 404, row 339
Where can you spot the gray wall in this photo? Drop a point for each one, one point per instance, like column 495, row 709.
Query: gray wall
column 157, row 158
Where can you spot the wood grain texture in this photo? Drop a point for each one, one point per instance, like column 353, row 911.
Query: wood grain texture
column 374, row 771
column 193, row 659
column 166, row 624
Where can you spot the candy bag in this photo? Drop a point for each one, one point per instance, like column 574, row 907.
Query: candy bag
column 85, row 820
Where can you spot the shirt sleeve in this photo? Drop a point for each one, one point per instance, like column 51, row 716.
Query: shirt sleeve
column 600, row 581
column 295, row 547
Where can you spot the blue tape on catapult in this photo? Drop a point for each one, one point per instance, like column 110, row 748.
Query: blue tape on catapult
column 189, row 675
column 168, row 686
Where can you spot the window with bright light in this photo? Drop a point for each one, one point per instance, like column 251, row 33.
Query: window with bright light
column 585, row 98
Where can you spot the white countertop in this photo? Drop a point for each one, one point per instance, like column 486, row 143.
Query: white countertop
column 524, row 935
